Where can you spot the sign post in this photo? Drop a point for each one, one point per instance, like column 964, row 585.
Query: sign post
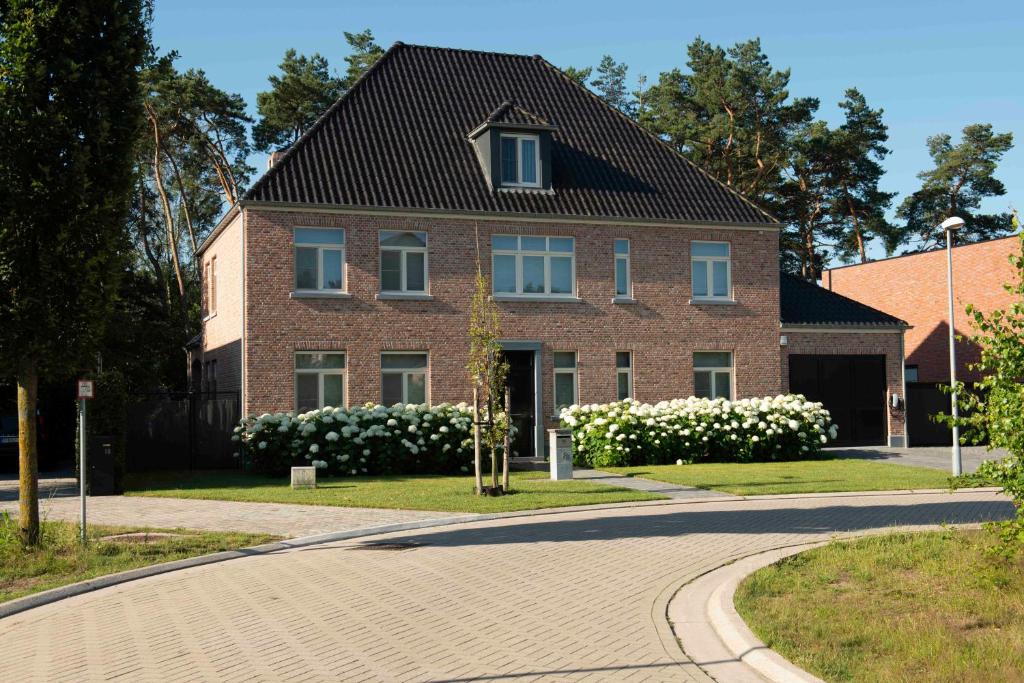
column 85, row 392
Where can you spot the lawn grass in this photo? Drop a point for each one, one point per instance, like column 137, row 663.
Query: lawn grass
column 531, row 491
column 60, row 559
column 898, row 607
column 799, row 476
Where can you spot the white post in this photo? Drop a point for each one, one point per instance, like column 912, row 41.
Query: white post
column 957, row 462
column 81, row 460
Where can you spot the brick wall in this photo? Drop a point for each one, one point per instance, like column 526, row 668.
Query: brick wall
column 851, row 343
column 914, row 289
column 662, row 328
column 222, row 329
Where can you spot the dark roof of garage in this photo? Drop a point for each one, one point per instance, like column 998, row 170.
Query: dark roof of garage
column 398, row 139
column 805, row 303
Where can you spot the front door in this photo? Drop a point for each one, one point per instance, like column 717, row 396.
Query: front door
column 522, row 393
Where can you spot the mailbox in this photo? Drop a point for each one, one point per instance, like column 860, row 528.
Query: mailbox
column 560, row 449
column 303, row 477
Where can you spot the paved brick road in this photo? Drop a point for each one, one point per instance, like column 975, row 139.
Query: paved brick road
column 567, row 596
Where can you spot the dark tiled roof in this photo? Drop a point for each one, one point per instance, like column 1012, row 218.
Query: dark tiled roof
column 398, row 139
column 805, row 303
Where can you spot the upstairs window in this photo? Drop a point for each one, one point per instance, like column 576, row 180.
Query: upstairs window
column 319, row 380
column 520, row 160
column 403, row 378
column 212, row 308
column 533, row 266
column 319, row 259
column 712, row 374
column 403, row 262
column 710, row 267
column 623, row 278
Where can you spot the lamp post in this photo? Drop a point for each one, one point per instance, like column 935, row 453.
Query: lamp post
column 950, row 225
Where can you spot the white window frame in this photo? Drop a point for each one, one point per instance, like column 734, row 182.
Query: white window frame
column 713, row 370
column 405, row 372
column 212, row 307
column 321, row 372
column 624, row 371
column 710, row 260
column 519, row 137
column 320, row 248
column 574, row 371
column 519, row 253
column 403, row 263
column 628, row 294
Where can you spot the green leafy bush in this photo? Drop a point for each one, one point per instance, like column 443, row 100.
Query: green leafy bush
column 687, row 430
column 368, row 439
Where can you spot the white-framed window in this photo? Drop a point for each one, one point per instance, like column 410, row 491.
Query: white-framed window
column 710, row 265
column 624, row 374
column 533, row 266
column 319, row 259
column 404, row 377
column 211, row 286
column 403, row 262
column 319, row 380
column 712, row 374
column 565, row 379
column 520, row 160
column 623, row 276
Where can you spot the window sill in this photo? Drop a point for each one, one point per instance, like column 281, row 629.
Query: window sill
column 539, row 297
column 319, row 295
column 403, row 296
column 623, row 300
column 712, row 302
column 208, row 317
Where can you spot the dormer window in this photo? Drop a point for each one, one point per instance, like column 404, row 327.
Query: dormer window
column 520, row 160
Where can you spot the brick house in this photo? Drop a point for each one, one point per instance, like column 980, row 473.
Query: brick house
column 620, row 269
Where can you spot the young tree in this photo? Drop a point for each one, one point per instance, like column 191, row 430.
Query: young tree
column 303, row 90
column 579, row 75
column 364, row 54
column 488, row 372
column 964, row 175
column 858, row 205
column 610, row 83
column 70, row 115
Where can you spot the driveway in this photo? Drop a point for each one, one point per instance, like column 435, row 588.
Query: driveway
column 937, row 457
column 557, row 596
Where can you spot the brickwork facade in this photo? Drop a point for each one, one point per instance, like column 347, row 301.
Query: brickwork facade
column 914, row 288
column 662, row 328
column 828, row 342
column 222, row 263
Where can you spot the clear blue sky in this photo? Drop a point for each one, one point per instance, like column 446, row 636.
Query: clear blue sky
column 933, row 66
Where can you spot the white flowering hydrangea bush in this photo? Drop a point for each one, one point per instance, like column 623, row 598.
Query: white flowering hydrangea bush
column 786, row 427
column 368, row 439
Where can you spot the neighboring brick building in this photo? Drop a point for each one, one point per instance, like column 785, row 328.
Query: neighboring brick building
column 620, row 269
column 914, row 288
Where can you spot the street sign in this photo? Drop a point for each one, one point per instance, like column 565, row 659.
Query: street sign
column 85, row 389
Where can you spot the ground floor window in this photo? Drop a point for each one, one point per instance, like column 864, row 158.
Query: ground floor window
column 624, row 374
column 319, row 380
column 911, row 372
column 404, row 377
column 565, row 379
column 712, row 374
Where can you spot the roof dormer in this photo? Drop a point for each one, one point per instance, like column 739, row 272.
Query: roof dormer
column 514, row 149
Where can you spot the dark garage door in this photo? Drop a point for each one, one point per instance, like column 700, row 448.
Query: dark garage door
column 852, row 388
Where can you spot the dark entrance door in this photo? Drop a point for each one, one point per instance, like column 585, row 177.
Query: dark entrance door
column 521, row 381
column 852, row 388
column 924, row 401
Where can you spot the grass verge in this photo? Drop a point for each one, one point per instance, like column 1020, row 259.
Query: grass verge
column 531, row 491
column 799, row 476
column 898, row 607
column 60, row 558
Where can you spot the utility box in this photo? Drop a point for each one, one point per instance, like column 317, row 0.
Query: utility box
column 560, row 449
column 303, row 477
column 102, row 479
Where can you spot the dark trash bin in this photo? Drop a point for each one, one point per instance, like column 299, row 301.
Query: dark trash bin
column 100, row 462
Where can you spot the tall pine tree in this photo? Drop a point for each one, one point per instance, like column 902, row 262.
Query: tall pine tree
column 297, row 96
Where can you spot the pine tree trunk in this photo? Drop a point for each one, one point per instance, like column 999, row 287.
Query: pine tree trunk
column 476, row 442
column 28, row 459
column 508, row 440
column 856, row 231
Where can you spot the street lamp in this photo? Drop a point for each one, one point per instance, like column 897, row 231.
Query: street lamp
column 950, row 225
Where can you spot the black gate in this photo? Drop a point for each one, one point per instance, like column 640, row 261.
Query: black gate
column 924, row 401
column 852, row 388
column 183, row 430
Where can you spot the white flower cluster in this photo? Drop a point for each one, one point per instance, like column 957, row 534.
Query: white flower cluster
column 367, row 439
column 691, row 429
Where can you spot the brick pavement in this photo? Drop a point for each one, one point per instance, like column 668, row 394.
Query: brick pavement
column 565, row 596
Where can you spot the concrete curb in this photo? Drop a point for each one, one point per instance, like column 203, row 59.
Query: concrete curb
column 28, row 602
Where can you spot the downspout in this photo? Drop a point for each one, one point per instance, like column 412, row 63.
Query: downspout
column 244, row 398
column 903, row 374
